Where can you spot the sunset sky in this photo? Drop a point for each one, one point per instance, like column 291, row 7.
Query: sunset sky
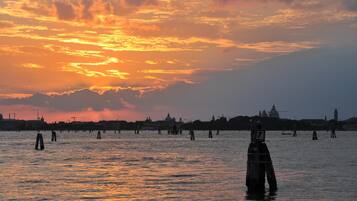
column 104, row 59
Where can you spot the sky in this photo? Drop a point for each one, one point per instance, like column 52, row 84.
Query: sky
column 126, row 59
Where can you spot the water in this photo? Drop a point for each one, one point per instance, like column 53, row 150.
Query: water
column 161, row 167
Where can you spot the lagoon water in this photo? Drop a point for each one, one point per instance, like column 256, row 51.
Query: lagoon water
column 161, row 167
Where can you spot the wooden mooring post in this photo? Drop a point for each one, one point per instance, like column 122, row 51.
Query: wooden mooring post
column 259, row 164
column 54, row 136
column 210, row 135
column 39, row 142
column 192, row 135
column 333, row 133
column 294, row 133
column 99, row 135
column 314, row 135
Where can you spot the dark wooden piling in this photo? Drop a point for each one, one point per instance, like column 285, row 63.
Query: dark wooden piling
column 192, row 135
column 294, row 133
column 54, row 136
column 39, row 142
column 314, row 135
column 269, row 169
column 255, row 179
column 217, row 133
column 99, row 135
column 259, row 164
column 210, row 136
column 333, row 133
column 159, row 131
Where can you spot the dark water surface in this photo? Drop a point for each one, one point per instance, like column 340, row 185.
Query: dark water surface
column 161, row 167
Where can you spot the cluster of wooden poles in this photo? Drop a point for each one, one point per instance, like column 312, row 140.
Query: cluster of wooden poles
column 40, row 143
column 259, row 163
column 333, row 134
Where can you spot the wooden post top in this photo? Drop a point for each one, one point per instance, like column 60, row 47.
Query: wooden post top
column 257, row 136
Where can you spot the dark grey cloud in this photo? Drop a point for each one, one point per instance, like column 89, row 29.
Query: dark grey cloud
column 300, row 4
column 350, row 4
column 86, row 13
column 307, row 84
column 77, row 101
column 65, row 11
column 141, row 2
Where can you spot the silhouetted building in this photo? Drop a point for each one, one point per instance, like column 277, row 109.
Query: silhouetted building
column 169, row 118
column 264, row 114
column 148, row 119
column 351, row 124
column 274, row 113
column 335, row 115
column 180, row 120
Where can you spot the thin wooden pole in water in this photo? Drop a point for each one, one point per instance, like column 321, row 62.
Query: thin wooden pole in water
column 54, row 136
column 192, row 135
column 39, row 142
column 210, row 136
column 294, row 133
column 333, row 129
column 314, row 135
column 99, row 135
column 333, row 133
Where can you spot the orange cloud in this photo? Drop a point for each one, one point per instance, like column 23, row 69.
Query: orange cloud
column 32, row 66
column 6, row 24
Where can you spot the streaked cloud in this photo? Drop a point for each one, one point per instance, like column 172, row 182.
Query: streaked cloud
column 83, row 69
column 279, row 46
column 33, row 66
column 170, row 71
column 151, row 62
column 6, row 24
